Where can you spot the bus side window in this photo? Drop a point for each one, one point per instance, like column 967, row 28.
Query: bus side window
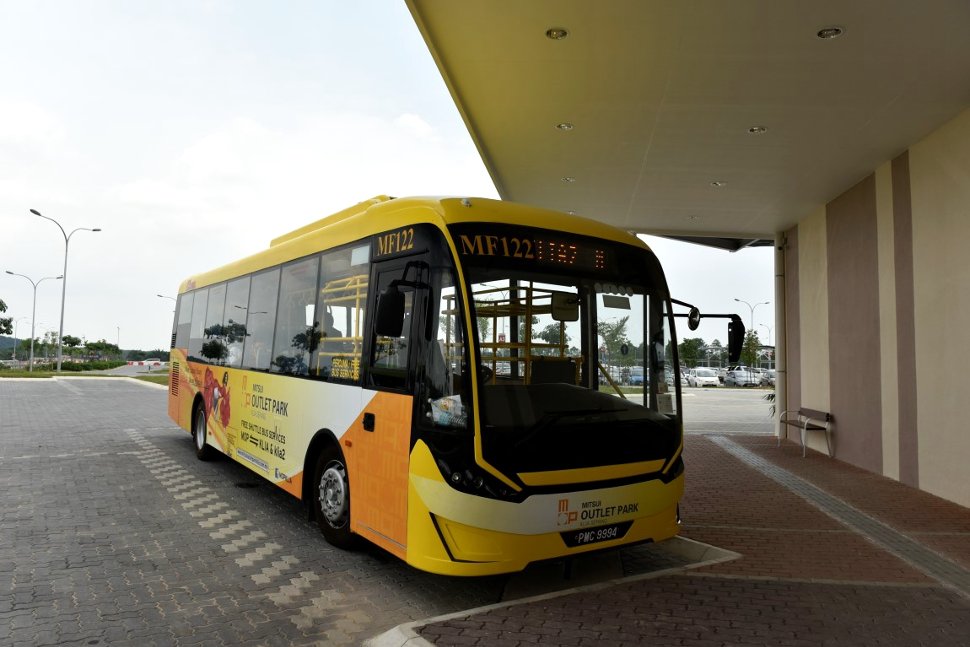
column 214, row 349
column 184, row 320
column 389, row 355
column 260, row 318
column 234, row 327
column 197, row 329
column 341, row 301
column 297, row 326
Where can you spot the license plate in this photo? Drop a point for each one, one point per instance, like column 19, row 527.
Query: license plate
column 585, row 536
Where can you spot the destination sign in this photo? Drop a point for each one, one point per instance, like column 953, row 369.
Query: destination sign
column 536, row 249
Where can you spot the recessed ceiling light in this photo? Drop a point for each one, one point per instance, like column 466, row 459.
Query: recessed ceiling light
column 828, row 33
column 568, row 179
column 565, row 126
column 757, row 130
column 717, row 183
column 556, row 33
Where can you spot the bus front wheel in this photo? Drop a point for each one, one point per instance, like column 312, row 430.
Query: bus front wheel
column 331, row 498
column 199, row 432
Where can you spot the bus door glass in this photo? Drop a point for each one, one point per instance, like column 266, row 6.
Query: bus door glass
column 391, row 354
column 381, row 445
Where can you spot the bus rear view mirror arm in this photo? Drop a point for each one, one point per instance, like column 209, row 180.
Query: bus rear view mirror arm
column 735, row 328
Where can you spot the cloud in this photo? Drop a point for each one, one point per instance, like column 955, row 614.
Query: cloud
column 24, row 123
column 415, row 124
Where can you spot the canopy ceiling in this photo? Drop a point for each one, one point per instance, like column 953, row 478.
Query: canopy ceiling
column 662, row 97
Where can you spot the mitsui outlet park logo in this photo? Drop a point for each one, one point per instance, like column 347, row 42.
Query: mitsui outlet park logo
column 593, row 512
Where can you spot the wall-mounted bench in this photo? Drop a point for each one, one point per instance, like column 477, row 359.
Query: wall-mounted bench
column 809, row 420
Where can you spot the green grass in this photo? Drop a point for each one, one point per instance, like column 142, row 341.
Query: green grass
column 19, row 373
column 155, row 379
column 46, row 374
column 158, row 377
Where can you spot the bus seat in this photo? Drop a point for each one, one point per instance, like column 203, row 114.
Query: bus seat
column 553, row 370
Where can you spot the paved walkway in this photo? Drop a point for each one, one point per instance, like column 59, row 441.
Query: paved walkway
column 830, row 555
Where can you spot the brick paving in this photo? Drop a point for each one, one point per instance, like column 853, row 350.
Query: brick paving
column 112, row 533
column 804, row 578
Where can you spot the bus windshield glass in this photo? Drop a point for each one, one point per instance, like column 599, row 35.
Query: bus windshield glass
column 575, row 350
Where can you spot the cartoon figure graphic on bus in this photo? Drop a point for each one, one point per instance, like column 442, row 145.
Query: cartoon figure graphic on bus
column 224, row 401
column 216, row 396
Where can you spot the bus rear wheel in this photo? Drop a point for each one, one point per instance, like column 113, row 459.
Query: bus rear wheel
column 199, row 433
column 331, row 499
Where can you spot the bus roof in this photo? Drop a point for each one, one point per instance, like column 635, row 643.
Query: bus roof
column 382, row 213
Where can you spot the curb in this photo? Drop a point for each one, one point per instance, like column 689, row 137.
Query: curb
column 405, row 635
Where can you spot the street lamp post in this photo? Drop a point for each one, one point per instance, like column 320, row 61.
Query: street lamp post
column 33, row 317
column 769, row 332
column 174, row 300
column 752, row 307
column 16, row 326
column 67, row 240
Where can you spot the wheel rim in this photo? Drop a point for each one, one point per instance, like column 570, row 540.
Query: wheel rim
column 333, row 494
column 199, row 431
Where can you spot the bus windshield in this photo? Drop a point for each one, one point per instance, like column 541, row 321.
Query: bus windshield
column 576, row 366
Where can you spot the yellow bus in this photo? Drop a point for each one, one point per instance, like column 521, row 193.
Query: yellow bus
column 449, row 379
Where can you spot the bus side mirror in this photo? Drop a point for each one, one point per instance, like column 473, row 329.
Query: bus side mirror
column 694, row 319
column 735, row 339
column 390, row 312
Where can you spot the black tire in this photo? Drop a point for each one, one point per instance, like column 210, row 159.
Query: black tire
column 199, row 433
column 330, row 497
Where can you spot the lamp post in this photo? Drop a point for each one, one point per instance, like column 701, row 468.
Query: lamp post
column 173, row 299
column 16, row 325
column 752, row 307
column 769, row 332
column 67, row 240
column 33, row 317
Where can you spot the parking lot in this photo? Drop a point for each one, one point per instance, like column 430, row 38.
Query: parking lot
column 113, row 533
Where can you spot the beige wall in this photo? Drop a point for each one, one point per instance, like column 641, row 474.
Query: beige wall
column 887, row 322
column 813, row 308
column 940, row 184
column 914, row 294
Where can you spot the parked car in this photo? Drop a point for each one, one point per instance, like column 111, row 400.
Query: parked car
column 741, row 376
column 768, row 377
column 702, row 377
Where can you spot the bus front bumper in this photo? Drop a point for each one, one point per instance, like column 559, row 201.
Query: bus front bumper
column 454, row 533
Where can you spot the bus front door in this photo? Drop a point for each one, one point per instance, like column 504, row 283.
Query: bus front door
column 379, row 473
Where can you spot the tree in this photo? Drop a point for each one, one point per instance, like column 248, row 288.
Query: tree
column 691, row 351
column 550, row 335
column 6, row 323
column 215, row 350
column 715, row 353
column 140, row 355
column 72, row 343
column 749, row 352
column 103, row 349
column 221, row 337
column 615, row 338
column 484, row 326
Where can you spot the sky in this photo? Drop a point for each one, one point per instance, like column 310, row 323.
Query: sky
column 193, row 132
